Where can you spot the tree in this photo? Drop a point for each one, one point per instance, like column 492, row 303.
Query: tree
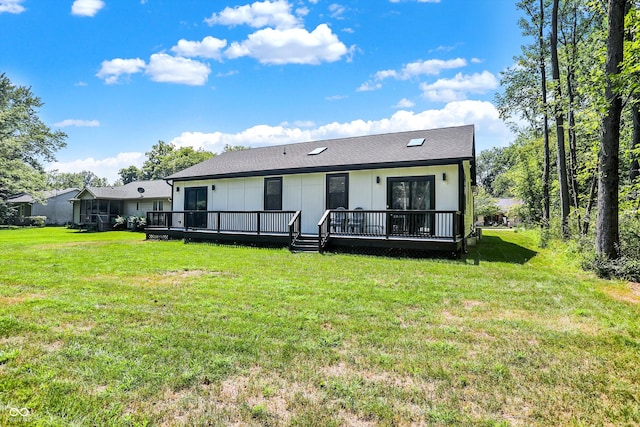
column 56, row 180
column 491, row 165
column 25, row 142
column 559, row 117
column 150, row 168
column 228, row 147
column 179, row 159
column 130, row 174
column 607, row 222
column 484, row 205
column 525, row 89
column 546, row 214
column 164, row 160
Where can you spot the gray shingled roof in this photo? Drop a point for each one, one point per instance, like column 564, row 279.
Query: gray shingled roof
column 156, row 189
column 364, row 152
column 27, row 198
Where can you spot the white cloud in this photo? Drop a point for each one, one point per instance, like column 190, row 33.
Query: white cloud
column 86, row 7
column 110, row 71
column 405, row 103
column 456, row 89
column 477, row 60
column 209, row 47
column 103, row 168
column 11, row 6
column 369, row 86
column 228, row 73
column 290, row 46
column 337, row 10
column 431, row 67
column 412, row 70
column 490, row 130
column 162, row 68
column 385, row 74
column 77, row 123
column 257, row 15
column 169, row 69
column 300, row 123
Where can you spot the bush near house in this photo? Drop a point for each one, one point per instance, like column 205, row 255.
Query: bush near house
column 30, row 221
column 134, row 223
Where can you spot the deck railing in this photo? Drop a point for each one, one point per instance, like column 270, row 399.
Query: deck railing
column 257, row 222
column 418, row 224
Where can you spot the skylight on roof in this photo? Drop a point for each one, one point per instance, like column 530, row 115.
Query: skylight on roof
column 317, row 151
column 416, row 142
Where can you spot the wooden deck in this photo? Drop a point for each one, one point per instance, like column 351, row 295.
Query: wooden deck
column 338, row 230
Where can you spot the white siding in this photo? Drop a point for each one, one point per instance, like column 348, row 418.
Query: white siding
column 311, row 190
column 307, row 192
column 470, row 213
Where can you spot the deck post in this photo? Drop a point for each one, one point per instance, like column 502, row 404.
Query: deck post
column 258, row 222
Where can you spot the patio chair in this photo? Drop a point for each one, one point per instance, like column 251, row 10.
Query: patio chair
column 339, row 221
column 356, row 223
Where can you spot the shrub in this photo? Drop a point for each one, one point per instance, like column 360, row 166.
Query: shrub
column 625, row 268
column 120, row 223
column 31, row 221
column 141, row 223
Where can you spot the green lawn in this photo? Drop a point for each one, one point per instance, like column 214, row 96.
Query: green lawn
column 108, row 329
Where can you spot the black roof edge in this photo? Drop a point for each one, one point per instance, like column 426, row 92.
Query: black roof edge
column 320, row 169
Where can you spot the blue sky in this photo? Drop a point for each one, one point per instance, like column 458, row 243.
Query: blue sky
column 119, row 75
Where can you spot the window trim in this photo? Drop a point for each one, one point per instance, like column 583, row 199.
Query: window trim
column 346, row 189
column 265, row 202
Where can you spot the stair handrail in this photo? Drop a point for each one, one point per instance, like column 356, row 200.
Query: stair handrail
column 295, row 228
column 324, row 230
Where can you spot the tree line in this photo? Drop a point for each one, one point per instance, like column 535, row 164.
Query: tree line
column 573, row 99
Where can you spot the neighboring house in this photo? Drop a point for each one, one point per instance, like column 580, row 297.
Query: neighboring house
column 506, row 215
column 55, row 206
column 99, row 206
column 410, row 190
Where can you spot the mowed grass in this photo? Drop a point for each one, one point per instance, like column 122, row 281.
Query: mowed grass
column 108, row 329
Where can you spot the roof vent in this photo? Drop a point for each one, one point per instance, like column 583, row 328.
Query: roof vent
column 140, row 190
column 317, row 151
column 416, row 142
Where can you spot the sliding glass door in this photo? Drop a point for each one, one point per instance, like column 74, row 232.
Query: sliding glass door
column 411, row 194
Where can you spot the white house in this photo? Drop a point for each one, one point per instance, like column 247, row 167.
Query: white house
column 403, row 186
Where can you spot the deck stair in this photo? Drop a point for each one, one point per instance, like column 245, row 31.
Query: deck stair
column 306, row 243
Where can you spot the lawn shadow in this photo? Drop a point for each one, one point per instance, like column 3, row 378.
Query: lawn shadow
column 494, row 249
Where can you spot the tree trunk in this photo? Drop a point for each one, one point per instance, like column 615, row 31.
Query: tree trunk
column 587, row 211
column 607, row 230
column 547, row 154
column 573, row 146
column 572, row 56
column 634, row 170
column 562, row 157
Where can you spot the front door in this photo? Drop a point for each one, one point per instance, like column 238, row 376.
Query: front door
column 195, row 200
column 411, row 194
